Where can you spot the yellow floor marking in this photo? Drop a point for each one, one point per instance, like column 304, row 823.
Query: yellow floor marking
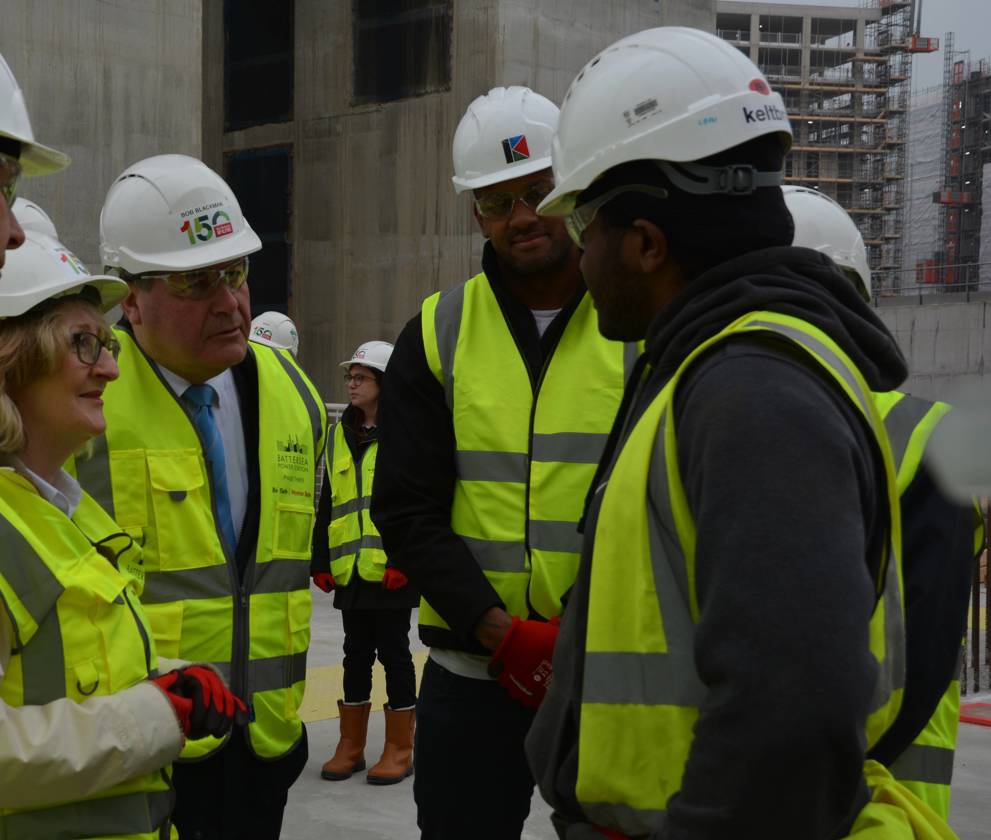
column 324, row 688
column 984, row 619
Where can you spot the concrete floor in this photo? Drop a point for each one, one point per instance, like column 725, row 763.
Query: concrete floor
column 355, row 810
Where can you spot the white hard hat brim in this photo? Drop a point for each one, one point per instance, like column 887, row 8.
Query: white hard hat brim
column 507, row 174
column 112, row 290
column 247, row 243
column 275, row 345
column 37, row 159
column 364, row 363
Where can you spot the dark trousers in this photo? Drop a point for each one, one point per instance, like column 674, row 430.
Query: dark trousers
column 472, row 779
column 385, row 632
column 233, row 794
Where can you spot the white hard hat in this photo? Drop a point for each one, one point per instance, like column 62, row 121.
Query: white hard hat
column 15, row 124
column 31, row 217
column 371, row 354
column 275, row 330
column 823, row 225
column 43, row 268
column 504, row 134
column 666, row 94
column 172, row 213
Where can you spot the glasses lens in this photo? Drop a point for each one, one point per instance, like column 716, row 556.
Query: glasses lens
column 357, row 378
column 10, row 173
column 535, row 193
column 87, row 347
column 113, row 347
column 201, row 283
column 495, row 205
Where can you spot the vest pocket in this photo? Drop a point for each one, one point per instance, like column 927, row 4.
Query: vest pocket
column 184, row 524
column 293, row 531
column 166, row 627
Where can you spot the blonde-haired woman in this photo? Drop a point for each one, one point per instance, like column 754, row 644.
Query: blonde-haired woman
column 87, row 726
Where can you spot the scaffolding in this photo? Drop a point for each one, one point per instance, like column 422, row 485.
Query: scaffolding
column 966, row 149
column 845, row 75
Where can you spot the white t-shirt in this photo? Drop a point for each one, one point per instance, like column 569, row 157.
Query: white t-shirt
column 544, row 317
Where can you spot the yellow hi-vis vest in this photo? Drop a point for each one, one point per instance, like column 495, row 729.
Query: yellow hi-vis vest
column 352, row 534
column 526, row 452
column 926, row 766
column 92, row 642
column 148, row 470
column 641, row 692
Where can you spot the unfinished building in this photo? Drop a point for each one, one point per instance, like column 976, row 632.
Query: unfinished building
column 957, row 260
column 845, row 75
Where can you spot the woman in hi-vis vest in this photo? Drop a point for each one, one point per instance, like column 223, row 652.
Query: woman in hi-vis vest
column 375, row 600
column 88, row 727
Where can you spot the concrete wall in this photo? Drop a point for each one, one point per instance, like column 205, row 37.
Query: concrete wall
column 947, row 345
column 376, row 223
column 108, row 83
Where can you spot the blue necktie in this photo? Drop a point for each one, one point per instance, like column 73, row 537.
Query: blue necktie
column 200, row 397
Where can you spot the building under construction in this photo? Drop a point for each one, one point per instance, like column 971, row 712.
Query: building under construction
column 845, row 74
column 957, row 259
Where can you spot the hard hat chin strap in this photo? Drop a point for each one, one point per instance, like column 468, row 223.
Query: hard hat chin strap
column 735, row 179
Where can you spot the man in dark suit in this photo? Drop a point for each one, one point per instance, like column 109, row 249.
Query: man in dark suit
column 209, row 462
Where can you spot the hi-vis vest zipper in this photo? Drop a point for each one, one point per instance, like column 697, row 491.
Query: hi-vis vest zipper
column 148, row 471
column 64, row 650
column 641, row 692
column 526, row 452
column 926, row 766
column 353, row 537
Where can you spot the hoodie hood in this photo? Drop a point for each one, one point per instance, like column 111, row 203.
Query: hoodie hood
column 791, row 281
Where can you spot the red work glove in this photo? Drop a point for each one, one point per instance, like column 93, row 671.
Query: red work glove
column 325, row 580
column 394, row 579
column 203, row 704
column 522, row 663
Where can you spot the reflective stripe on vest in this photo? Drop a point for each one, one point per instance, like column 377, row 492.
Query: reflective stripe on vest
column 351, row 533
column 526, row 452
column 43, row 556
column 640, row 682
column 161, row 494
column 926, row 766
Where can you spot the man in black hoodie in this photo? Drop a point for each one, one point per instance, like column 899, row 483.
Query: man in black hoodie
column 718, row 671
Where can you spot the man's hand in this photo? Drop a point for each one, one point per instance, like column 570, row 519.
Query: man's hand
column 492, row 627
column 201, row 701
column 324, row 580
column 522, row 663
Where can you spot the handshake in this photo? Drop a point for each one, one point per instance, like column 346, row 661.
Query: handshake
column 201, row 701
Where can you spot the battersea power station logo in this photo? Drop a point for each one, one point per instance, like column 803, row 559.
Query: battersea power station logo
column 292, row 455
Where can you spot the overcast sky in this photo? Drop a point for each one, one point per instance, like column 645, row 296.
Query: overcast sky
column 970, row 20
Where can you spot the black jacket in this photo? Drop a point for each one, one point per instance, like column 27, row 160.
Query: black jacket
column 359, row 594
column 415, row 473
column 785, row 484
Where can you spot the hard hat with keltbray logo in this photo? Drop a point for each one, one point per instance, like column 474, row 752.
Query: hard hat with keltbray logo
column 172, row 213
column 44, row 269
column 503, row 135
column 275, row 329
column 30, row 216
column 673, row 95
column 15, row 128
column 371, row 354
column 822, row 225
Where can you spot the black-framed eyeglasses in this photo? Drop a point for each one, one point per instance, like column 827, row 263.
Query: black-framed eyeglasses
column 88, row 347
column 356, row 378
column 582, row 216
column 500, row 205
column 201, row 283
column 10, row 174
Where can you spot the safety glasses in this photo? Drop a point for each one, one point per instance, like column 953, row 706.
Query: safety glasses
column 581, row 217
column 201, row 283
column 500, row 205
column 10, row 174
column 88, row 347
